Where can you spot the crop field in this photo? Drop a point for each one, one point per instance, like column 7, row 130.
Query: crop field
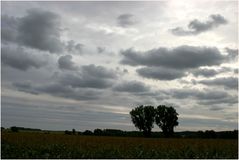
column 39, row 145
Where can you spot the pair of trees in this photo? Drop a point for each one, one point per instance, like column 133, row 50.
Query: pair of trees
column 165, row 117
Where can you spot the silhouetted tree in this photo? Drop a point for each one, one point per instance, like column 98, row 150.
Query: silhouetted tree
column 67, row 132
column 14, row 129
column 73, row 131
column 87, row 132
column 113, row 132
column 166, row 118
column 143, row 118
column 98, row 132
column 210, row 134
column 200, row 134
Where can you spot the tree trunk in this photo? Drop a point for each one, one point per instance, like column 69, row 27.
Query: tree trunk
column 147, row 133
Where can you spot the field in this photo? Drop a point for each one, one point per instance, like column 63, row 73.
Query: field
column 40, row 145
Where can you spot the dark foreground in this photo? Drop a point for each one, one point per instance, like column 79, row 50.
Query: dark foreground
column 39, row 145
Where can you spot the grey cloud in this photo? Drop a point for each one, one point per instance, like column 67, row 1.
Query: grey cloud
column 17, row 58
column 41, row 29
column 125, row 71
column 98, row 71
column 38, row 29
column 90, row 76
column 205, row 72
column 74, row 47
column 218, row 19
column 236, row 71
column 104, row 51
column 126, row 20
column 131, row 86
column 9, row 26
column 181, row 57
column 121, row 71
column 84, row 84
column 59, row 90
column 230, row 100
column 216, row 108
column 84, row 81
column 160, row 73
column 25, row 87
column 232, row 53
column 226, row 82
column 65, row 63
column 179, row 31
column 210, row 72
column 196, row 27
column 205, row 96
column 100, row 49
column 70, row 92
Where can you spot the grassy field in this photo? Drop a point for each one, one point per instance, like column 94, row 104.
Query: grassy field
column 39, row 145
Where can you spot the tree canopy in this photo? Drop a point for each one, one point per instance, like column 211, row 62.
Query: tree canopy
column 165, row 117
column 143, row 118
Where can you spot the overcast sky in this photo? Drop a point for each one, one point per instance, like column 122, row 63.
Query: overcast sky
column 85, row 65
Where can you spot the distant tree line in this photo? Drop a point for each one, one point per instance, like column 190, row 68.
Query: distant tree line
column 98, row 132
column 184, row 134
column 116, row 132
column 16, row 129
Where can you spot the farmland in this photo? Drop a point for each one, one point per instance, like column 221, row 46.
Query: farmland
column 39, row 145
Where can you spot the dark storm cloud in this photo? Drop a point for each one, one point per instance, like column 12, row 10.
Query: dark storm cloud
column 131, row 86
column 181, row 57
column 40, row 29
column 226, row 82
column 65, row 63
column 89, row 76
column 196, row 27
column 204, row 96
column 17, row 58
column 126, row 20
column 160, row 73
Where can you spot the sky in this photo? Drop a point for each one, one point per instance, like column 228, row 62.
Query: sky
column 86, row 65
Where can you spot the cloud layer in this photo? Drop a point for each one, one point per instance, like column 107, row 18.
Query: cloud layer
column 181, row 57
column 205, row 96
column 131, row 86
column 161, row 73
column 65, row 63
column 126, row 20
column 19, row 59
column 227, row 82
column 38, row 29
column 196, row 27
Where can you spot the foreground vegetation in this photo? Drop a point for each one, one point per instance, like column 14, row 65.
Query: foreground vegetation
column 39, row 145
